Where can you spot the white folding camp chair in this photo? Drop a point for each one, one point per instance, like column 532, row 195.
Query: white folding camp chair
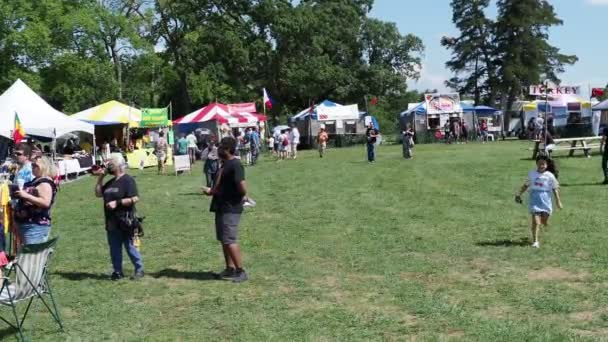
column 30, row 272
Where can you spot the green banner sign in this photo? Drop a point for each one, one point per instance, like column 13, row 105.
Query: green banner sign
column 154, row 117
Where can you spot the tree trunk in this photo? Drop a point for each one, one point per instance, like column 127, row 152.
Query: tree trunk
column 477, row 92
column 117, row 68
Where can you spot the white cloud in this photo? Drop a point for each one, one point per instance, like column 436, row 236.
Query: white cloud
column 598, row 2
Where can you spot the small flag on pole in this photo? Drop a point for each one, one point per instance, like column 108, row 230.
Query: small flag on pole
column 597, row 92
column 267, row 100
column 18, row 132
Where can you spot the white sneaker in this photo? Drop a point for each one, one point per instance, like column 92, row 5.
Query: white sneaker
column 536, row 244
column 249, row 204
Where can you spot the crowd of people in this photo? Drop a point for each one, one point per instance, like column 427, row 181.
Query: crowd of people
column 34, row 176
column 284, row 143
column 457, row 131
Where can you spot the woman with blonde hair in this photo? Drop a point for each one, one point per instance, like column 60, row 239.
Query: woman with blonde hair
column 33, row 211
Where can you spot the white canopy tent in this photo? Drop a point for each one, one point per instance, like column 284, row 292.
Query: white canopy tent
column 36, row 116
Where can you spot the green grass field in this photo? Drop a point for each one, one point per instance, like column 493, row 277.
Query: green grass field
column 337, row 249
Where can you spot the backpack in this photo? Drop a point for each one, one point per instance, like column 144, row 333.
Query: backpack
column 285, row 141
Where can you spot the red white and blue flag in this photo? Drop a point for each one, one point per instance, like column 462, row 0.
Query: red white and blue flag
column 267, row 100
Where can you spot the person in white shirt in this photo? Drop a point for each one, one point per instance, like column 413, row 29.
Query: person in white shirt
column 271, row 145
column 540, row 184
column 294, row 139
column 192, row 148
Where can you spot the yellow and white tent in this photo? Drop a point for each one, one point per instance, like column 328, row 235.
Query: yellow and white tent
column 110, row 113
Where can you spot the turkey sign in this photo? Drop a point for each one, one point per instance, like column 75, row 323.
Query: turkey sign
column 557, row 90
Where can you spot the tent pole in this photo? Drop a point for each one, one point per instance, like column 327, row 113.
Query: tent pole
column 54, row 145
column 94, row 149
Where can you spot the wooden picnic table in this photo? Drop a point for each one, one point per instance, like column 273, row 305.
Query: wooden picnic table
column 585, row 145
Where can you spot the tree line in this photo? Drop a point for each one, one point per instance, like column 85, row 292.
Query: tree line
column 80, row 53
column 495, row 59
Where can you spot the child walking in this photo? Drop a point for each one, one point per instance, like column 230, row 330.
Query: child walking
column 540, row 184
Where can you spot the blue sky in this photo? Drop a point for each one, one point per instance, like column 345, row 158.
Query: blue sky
column 582, row 34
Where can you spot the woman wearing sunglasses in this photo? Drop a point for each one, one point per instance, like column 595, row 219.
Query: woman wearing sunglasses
column 33, row 211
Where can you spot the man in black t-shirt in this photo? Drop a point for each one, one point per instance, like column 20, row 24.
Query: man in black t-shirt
column 119, row 197
column 227, row 204
column 372, row 136
column 605, row 154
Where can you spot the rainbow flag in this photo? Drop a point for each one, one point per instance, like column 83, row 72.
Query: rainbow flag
column 18, row 132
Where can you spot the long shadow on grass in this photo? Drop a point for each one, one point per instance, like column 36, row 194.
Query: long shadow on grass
column 78, row 276
column 504, row 243
column 171, row 273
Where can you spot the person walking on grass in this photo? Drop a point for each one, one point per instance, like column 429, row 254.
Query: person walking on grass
column 540, row 184
column 604, row 148
column 254, row 141
column 322, row 140
column 227, row 203
column 372, row 138
column 283, row 145
column 408, row 141
column 119, row 196
column 192, row 147
column 211, row 163
column 294, row 139
column 483, row 130
column 465, row 132
column 160, row 150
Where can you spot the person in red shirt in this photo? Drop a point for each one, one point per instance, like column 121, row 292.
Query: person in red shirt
column 322, row 139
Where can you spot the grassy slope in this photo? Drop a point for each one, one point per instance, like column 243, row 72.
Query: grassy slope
column 432, row 248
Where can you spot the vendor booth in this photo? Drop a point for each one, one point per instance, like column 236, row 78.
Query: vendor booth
column 344, row 124
column 43, row 122
column 568, row 115
column 428, row 118
column 216, row 116
column 600, row 116
column 118, row 128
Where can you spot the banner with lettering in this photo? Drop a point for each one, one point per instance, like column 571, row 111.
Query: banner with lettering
column 442, row 103
column 248, row 107
column 154, row 117
column 554, row 90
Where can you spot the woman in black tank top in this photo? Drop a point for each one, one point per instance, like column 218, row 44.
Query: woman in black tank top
column 33, row 210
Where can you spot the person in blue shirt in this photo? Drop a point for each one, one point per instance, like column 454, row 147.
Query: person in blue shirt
column 22, row 154
column 182, row 145
column 254, row 139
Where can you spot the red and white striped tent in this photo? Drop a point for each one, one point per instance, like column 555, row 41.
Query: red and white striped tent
column 223, row 114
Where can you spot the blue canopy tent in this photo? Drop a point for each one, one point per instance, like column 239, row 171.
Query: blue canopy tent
column 415, row 115
column 343, row 123
column 306, row 112
column 363, row 115
column 467, row 108
column 486, row 110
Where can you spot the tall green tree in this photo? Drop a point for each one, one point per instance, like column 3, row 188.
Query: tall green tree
column 473, row 51
column 524, row 52
column 26, row 39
